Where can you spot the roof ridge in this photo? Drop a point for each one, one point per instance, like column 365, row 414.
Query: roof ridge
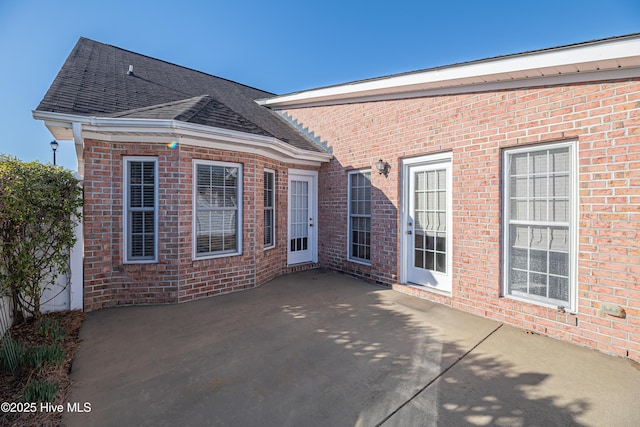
column 158, row 106
column 198, row 106
column 176, row 65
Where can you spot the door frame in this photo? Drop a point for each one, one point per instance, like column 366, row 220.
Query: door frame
column 405, row 197
column 313, row 209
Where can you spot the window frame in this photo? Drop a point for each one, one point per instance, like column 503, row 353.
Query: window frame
column 350, row 215
column 239, row 210
column 572, row 225
column 271, row 208
column 126, row 238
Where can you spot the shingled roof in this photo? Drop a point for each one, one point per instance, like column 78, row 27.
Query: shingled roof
column 94, row 81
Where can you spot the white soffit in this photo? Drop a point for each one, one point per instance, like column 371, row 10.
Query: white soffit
column 606, row 59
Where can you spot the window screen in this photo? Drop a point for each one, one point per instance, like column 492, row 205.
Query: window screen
column 539, row 223
column 269, row 209
column 216, row 209
column 360, row 216
column 141, row 210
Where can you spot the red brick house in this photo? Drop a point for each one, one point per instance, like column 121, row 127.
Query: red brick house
column 507, row 187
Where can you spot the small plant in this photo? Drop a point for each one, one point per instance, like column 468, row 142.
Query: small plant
column 48, row 327
column 40, row 391
column 14, row 356
column 44, row 325
column 35, row 357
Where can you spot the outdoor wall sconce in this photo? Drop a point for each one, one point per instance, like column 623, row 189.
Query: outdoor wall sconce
column 383, row 167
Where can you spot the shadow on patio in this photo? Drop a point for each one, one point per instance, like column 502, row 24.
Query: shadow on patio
column 315, row 348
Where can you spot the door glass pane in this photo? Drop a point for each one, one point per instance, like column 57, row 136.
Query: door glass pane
column 430, row 216
column 299, row 211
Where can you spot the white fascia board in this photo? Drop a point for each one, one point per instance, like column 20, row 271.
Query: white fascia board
column 625, row 73
column 149, row 130
column 590, row 57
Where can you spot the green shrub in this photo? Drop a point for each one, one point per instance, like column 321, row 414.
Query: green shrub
column 40, row 206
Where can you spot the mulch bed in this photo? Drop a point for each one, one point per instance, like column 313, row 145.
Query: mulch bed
column 11, row 390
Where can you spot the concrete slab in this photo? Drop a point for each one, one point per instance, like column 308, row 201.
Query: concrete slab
column 320, row 348
column 516, row 379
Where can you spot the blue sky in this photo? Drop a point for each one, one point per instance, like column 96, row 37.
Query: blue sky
column 278, row 46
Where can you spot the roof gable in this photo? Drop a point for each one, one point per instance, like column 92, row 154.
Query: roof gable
column 94, row 81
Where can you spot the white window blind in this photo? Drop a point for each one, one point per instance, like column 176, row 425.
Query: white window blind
column 217, row 208
column 141, row 209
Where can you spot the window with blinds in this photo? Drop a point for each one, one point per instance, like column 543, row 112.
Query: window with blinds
column 217, row 208
column 539, row 220
column 269, row 209
column 141, row 213
column 360, row 216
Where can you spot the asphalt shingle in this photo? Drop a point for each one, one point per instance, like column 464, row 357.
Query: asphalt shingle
column 94, row 81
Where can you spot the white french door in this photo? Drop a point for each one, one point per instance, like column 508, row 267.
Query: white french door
column 302, row 216
column 427, row 222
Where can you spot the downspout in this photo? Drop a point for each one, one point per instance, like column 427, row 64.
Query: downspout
column 255, row 220
column 76, row 294
column 179, row 284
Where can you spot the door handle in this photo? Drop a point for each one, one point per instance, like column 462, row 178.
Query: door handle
column 409, row 232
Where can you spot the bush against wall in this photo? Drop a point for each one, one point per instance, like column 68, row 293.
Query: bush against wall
column 40, row 206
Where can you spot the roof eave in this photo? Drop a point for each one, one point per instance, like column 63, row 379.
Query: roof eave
column 132, row 130
column 588, row 61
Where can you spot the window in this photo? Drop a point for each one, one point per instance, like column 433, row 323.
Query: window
column 217, row 203
column 360, row 216
column 539, row 224
column 269, row 209
column 140, row 209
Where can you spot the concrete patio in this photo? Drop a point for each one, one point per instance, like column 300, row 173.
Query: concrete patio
column 322, row 349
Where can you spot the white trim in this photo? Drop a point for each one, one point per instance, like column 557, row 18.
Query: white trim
column 126, row 160
column 156, row 130
column 76, row 264
column 572, row 226
column 239, row 210
column 349, row 242
column 596, row 59
column 552, row 80
column 274, row 210
column 313, row 208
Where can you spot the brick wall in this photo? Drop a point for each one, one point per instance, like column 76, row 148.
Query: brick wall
column 176, row 277
column 604, row 119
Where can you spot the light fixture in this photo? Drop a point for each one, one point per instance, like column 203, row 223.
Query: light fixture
column 383, row 167
column 54, row 146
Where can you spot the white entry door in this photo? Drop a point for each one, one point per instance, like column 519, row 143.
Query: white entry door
column 302, row 216
column 427, row 222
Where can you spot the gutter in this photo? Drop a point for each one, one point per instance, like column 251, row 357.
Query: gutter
column 83, row 126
